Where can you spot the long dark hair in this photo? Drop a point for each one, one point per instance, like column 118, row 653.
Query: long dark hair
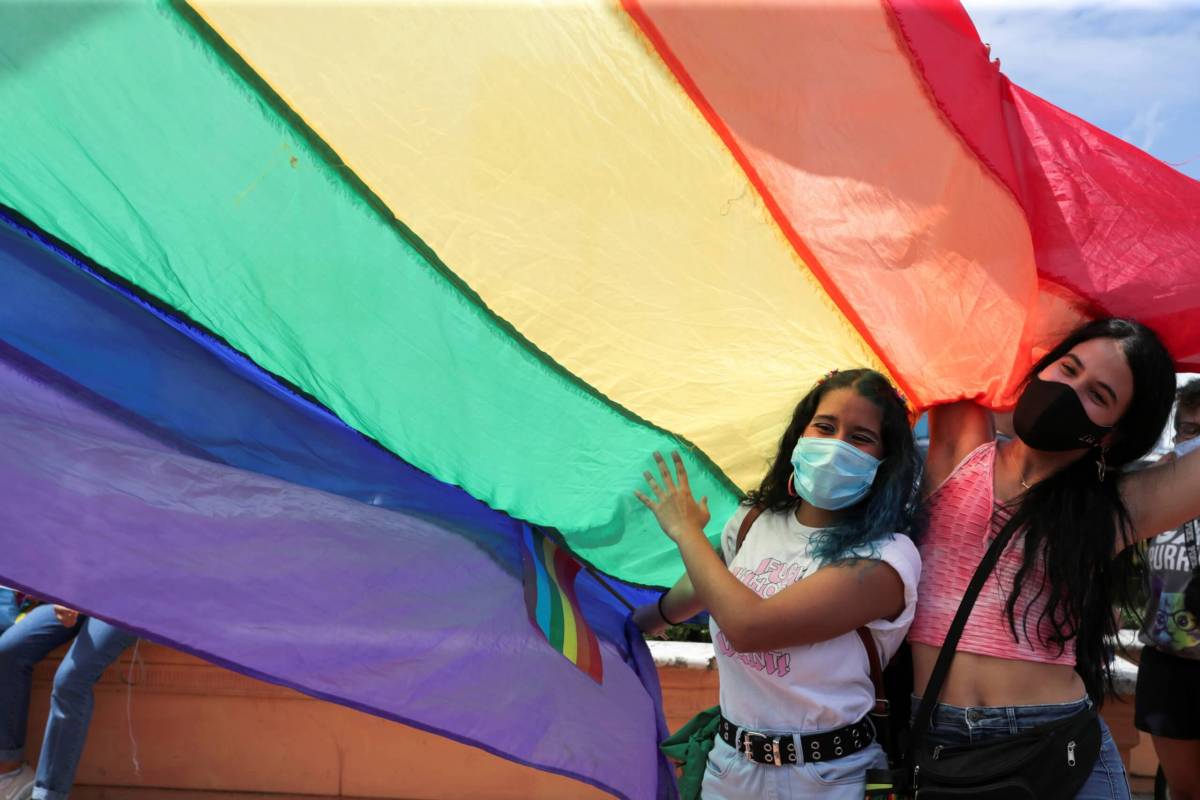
column 1074, row 522
column 891, row 505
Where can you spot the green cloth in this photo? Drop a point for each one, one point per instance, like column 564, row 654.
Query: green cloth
column 135, row 136
column 690, row 746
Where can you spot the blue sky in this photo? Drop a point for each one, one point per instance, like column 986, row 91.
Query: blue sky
column 1131, row 67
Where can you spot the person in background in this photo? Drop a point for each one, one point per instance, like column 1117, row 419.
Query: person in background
column 10, row 608
column 1168, row 689
column 23, row 644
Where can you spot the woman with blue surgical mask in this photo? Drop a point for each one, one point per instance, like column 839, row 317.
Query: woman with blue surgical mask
column 819, row 551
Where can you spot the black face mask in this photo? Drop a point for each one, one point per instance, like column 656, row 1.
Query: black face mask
column 1049, row 416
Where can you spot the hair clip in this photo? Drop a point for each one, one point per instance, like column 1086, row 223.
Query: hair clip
column 827, row 376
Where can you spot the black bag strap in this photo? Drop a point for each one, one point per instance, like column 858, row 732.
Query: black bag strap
column 881, row 703
column 747, row 522
column 942, row 667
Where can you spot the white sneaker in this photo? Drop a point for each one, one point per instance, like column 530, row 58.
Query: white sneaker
column 18, row 786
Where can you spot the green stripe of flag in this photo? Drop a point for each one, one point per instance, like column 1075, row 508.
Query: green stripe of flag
column 130, row 137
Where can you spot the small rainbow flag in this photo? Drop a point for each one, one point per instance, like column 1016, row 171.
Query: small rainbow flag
column 553, row 608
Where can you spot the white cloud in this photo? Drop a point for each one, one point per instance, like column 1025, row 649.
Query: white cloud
column 1146, row 126
column 1068, row 5
column 1092, row 55
column 1131, row 67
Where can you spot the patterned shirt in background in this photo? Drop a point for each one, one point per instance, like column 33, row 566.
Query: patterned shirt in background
column 1168, row 625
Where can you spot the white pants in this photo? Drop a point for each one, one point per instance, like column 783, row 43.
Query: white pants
column 729, row 775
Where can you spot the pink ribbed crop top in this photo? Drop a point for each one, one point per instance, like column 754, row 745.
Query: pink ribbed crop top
column 963, row 519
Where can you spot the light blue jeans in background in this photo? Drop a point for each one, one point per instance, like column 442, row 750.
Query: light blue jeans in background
column 22, row 645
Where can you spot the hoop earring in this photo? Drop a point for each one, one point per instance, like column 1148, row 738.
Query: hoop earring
column 790, row 486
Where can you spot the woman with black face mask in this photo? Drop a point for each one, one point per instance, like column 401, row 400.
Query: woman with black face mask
column 1032, row 654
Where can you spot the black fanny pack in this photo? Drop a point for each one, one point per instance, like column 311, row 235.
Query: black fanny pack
column 1048, row 762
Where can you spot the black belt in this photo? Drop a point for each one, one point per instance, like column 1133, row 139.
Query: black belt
column 780, row 750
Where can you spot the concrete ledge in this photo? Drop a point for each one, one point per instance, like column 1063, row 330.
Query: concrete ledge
column 684, row 655
column 135, row 793
column 194, row 727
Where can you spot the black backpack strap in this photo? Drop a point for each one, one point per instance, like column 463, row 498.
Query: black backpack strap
column 751, row 515
column 881, row 701
column 942, row 667
column 881, row 712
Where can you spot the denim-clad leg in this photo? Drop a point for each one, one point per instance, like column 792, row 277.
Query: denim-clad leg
column 97, row 645
column 957, row 725
column 22, row 646
column 1108, row 780
column 8, row 608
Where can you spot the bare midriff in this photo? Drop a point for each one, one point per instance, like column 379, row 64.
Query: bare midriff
column 976, row 680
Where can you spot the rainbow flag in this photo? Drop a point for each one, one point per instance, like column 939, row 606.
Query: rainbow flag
column 552, row 605
column 302, row 285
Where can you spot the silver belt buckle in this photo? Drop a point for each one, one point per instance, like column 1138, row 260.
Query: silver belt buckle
column 746, row 745
column 774, row 755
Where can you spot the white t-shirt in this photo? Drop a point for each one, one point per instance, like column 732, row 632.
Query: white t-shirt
column 813, row 687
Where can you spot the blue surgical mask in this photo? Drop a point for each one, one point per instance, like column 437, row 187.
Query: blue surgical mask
column 832, row 474
column 1183, row 448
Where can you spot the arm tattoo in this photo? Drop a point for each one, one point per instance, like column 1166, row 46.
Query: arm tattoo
column 868, row 565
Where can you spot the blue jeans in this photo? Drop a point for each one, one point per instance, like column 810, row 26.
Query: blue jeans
column 957, row 725
column 97, row 645
column 8, row 607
